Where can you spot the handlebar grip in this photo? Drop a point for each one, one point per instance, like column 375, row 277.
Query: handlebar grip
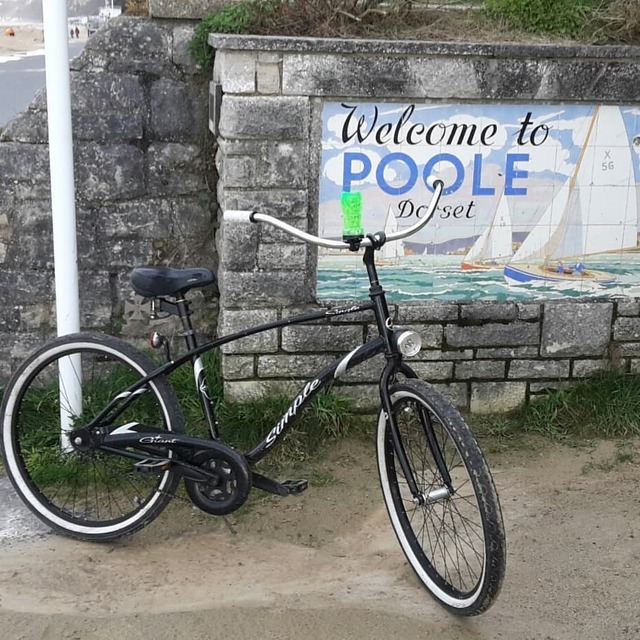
column 238, row 216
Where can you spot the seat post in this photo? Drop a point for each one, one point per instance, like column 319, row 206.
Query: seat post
column 204, row 394
column 184, row 311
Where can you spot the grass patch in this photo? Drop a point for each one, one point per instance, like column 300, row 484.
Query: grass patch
column 605, row 406
column 183, row 384
column 323, row 479
column 39, row 426
column 498, row 433
column 618, row 21
column 562, row 17
column 327, row 418
column 585, row 21
column 242, row 425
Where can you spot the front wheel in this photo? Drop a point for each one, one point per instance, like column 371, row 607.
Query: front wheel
column 451, row 532
column 93, row 495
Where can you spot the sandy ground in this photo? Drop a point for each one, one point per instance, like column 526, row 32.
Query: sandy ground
column 27, row 38
column 326, row 564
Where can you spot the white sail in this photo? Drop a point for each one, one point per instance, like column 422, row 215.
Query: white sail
column 596, row 210
column 607, row 187
column 391, row 250
column 536, row 243
column 495, row 242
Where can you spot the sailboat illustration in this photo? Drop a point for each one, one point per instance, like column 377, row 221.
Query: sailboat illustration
column 390, row 251
column 595, row 211
column 494, row 246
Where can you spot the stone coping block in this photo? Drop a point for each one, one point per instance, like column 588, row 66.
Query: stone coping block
column 237, row 42
column 426, row 70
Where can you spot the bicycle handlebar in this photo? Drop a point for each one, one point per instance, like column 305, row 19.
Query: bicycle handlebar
column 254, row 216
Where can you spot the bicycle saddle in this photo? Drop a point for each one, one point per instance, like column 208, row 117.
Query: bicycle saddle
column 150, row 282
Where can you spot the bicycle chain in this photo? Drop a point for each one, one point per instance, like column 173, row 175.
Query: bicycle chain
column 163, row 492
column 174, row 495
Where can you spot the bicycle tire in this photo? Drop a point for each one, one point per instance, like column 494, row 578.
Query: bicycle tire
column 454, row 543
column 96, row 496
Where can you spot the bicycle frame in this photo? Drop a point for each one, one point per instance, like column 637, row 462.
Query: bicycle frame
column 126, row 436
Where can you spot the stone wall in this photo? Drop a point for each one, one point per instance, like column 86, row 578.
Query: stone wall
column 266, row 100
column 145, row 185
column 146, row 193
column 487, row 357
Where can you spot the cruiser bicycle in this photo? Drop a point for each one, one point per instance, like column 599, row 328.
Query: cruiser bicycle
column 94, row 438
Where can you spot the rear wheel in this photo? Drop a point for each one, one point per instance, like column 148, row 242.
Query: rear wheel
column 451, row 533
column 92, row 495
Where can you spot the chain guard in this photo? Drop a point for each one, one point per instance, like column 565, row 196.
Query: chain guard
column 230, row 485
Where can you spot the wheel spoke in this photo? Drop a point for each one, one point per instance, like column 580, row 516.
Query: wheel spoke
column 443, row 533
column 90, row 494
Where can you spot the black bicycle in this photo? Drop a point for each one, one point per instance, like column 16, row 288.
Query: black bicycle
column 94, row 437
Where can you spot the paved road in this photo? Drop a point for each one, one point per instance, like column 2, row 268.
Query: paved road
column 21, row 77
column 16, row 521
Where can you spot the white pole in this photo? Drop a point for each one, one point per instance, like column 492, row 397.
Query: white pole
column 56, row 47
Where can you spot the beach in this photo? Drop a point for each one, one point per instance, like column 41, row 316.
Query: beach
column 27, row 38
column 22, row 65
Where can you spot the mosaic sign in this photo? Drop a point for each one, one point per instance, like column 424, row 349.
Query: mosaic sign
column 540, row 201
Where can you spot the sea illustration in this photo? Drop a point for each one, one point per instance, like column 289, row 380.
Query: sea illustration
column 540, row 201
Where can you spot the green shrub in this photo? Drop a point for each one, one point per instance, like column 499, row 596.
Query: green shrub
column 602, row 21
column 564, row 17
column 232, row 18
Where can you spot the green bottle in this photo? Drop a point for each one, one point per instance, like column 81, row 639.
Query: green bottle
column 351, row 203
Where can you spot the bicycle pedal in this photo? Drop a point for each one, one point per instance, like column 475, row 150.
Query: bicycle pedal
column 295, row 486
column 279, row 488
column 152, row 465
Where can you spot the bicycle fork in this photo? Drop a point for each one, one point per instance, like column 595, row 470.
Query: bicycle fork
column 419, row 498
column 395, row 364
